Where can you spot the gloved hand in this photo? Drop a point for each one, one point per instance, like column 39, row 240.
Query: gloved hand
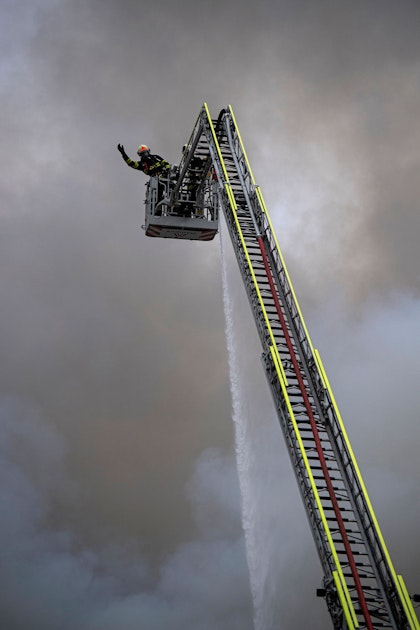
column 123, row 153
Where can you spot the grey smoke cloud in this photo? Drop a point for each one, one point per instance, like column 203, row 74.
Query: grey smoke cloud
column 117, row 341
column 202, row 584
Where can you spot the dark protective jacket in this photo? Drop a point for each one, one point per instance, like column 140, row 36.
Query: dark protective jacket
column 150, row 164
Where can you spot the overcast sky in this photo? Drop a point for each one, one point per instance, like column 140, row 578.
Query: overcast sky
column 120, row 499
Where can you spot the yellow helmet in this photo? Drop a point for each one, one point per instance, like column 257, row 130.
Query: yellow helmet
column 142, row 149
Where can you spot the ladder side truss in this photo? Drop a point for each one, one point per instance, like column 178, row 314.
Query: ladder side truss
column 361, row 586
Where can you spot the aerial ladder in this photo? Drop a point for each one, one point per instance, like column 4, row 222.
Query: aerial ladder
column 360, row 585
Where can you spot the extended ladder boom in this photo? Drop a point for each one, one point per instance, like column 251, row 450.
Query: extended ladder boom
column 361, row 587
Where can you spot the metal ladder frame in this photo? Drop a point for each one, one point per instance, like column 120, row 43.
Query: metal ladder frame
column 362, row 589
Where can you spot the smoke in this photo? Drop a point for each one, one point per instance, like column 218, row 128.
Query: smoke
column 114, row 344
column 50, row 579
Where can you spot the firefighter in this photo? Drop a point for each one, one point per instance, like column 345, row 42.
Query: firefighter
column 149, row 163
